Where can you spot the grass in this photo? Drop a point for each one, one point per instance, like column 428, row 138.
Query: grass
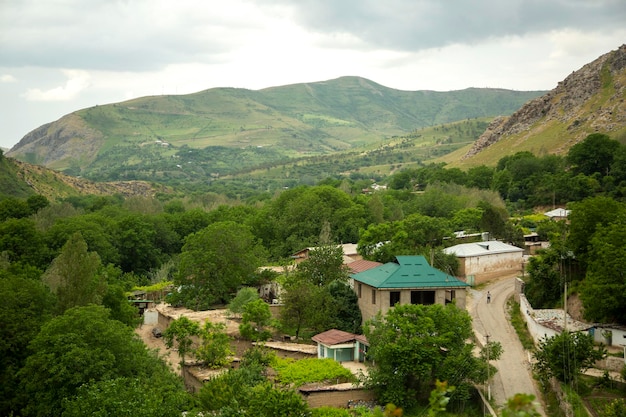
column 303, row 371
column 519, row 324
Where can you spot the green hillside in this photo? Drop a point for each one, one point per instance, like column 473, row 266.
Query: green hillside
column 229, row 132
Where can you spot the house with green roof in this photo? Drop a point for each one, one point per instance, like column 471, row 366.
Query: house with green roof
column 407, row 280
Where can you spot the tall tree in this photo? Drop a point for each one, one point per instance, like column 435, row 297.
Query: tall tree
column 603, row 291
column 414, row 345
column 73, row 275
column 215, row 262
column 586, row 217
column 593, row 155
column 256, row 318
column 324, row 265
column 26, row 305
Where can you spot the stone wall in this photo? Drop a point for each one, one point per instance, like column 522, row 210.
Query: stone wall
column 332, row 396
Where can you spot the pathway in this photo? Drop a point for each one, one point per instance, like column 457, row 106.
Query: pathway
column 490, row 321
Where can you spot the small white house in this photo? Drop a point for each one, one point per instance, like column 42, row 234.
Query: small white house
column 341, row 346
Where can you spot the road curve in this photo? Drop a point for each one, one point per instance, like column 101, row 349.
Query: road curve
column 490, row 320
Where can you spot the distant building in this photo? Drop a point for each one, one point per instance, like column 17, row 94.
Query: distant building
column 558, row 214
column 482, row 261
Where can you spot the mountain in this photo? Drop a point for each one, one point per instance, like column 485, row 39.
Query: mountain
column 22, row 180
column 226, row 131
column 590, row 100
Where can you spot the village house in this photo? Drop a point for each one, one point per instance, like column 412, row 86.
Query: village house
column 483, row 261
column 341, row 346
column 558, row 214
column 407, row 280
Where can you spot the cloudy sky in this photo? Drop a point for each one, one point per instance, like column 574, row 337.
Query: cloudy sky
column 57, row 56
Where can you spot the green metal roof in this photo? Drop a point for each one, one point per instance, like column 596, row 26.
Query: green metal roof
column 408, row 272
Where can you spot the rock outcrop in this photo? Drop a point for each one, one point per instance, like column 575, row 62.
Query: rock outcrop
column 588, row 100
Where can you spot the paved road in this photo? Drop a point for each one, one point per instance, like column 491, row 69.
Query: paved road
column 490, row 319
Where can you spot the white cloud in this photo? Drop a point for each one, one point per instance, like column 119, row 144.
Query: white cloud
column 124, row 49
column 77, row 81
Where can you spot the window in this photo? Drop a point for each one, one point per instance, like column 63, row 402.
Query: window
column 394, row 298
column 423, row 297
column 359, row 290
column 373, row 296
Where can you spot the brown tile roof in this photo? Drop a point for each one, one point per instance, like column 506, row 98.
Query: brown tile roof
column 337, row 337
column 362, row 265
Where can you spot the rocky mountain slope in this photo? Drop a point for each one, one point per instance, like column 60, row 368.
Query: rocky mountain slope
column 589, row 100
column 21, row 179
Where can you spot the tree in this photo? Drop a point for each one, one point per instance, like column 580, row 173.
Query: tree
column 414, row 345
column 256, row 317
column 73, row 275
column 347, row 315
column 22, row 242
column 96, row 229
column 37, row 202
column 603, row 291
column 130, row 397
column 26, row 305
column 593, row 155
column 307, row 306
column 180, row 333
column 265, row 400
column 228, row 392
column 214, row 349
column 544, row 286
column 566, row 356
column 82, row 346
column 243, row 297
column 215, row 262
column 135, row 240
column 586, row 217
column 324, row 265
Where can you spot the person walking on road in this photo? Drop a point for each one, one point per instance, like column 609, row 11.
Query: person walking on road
column 488, row 297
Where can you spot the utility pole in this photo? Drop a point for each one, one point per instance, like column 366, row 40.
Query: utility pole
column 488, row 373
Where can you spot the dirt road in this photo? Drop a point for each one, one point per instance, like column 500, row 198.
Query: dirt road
column 490, row 321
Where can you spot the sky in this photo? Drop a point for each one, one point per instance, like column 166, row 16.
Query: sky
column 59, row 56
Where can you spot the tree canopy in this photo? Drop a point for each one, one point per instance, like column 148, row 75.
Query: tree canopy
column 414, row 345
column 215, row 262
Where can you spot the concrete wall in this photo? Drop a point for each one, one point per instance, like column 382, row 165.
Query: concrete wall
column 487, row 267
column 537, row 331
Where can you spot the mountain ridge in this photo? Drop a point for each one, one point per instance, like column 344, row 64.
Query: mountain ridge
column 293, row 120
column 589, row 100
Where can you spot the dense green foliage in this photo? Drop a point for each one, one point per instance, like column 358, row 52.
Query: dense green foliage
column 179, row 333
column 412, row 346
column 302, row 371
column 255, row 320
column 84, row 346
column 214, row 350
column 566, row 356
column 245, row 391
column 317, row 297
column 211, row 249
column 215, row 262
